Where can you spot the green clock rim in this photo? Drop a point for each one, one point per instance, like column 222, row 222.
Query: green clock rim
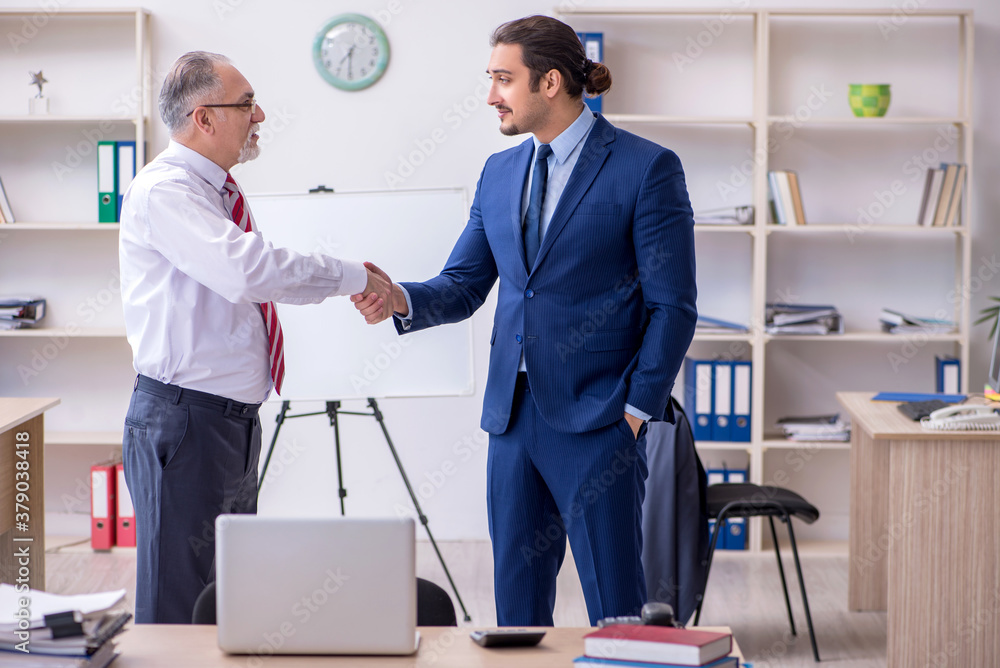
column 380, row 66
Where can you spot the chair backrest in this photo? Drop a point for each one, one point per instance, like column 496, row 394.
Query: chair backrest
column 434, row 606
column 674, row 516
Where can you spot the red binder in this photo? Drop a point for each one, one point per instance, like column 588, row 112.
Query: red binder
column 102, row 506
column 125, row 533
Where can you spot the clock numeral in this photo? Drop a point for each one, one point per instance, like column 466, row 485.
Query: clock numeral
column 372, row 63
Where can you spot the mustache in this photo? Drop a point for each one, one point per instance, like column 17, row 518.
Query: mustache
column 253, row 130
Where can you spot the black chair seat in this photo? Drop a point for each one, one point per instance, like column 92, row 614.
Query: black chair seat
column 748, row 500
column 744, row 499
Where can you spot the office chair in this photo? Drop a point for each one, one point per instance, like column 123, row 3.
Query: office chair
column 748, row 500
column 434, row 606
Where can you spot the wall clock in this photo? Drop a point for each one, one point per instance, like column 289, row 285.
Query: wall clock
column 351, row 52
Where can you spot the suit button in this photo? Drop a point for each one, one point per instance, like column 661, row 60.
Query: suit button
column 529, row 293
column 517, row 337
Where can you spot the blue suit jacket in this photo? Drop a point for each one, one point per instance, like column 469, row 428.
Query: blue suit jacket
column 606, row 315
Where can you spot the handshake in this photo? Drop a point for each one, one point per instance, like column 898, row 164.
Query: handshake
column 381, row 297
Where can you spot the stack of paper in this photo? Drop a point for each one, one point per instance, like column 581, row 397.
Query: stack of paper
column 19, row 311
column 803, row 319
column 816, row 428
column 39, row 629
column 895, row 322
column 733, row 215
column 708, row 325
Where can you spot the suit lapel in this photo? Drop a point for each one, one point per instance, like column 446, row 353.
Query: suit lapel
column 521, row 161
column 588, row 165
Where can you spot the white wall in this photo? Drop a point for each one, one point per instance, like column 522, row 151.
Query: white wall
column 436, row 84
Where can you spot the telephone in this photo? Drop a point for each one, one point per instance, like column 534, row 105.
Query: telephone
column 963, row 417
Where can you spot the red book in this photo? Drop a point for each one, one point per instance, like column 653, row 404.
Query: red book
column 659, row 644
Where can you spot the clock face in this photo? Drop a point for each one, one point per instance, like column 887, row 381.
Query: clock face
column 351, row 52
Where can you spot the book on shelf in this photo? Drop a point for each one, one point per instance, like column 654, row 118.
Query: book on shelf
column 731, row 215
column 932, row 192
column 598, row 662
column 657, row 644
column 6, row 214
column 785, row 197
column 946, row 206
column 781, row 318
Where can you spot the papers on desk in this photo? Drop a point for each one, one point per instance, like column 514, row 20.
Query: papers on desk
column 39, row 629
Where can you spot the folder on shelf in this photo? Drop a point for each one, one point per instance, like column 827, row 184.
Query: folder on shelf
column 736, row 475
column 698, row 396
column 722, row 407
column 715, row 476
column 593, row 47
column 742, row 374
column 125, row 530
column 736, row 533
column 107, row 182
column 948, row 374
column 778, row 212
column 126, row 171
column 102, row 506
column 793, row 187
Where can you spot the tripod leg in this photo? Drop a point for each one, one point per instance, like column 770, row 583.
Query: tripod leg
column 416, row 504
column 332, row 407
column 280, row 419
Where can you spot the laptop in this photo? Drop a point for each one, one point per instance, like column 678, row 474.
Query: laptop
column 316, row 585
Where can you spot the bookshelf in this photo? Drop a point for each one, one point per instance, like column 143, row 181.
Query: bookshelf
column 737, row 92
column 99, row 68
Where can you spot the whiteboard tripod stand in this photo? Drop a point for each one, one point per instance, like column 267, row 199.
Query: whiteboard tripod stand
column 333, row 411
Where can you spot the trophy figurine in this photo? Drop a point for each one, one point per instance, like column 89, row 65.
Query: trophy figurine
column 39, row 104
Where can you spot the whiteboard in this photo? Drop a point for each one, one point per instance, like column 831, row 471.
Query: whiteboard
column 330, row 352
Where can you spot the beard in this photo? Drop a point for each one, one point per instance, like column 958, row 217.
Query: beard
column 250, row 150
column 534, row 115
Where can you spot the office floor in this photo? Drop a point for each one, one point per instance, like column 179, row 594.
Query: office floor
column 744, row 592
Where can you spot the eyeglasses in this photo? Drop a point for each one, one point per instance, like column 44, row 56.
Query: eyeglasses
column 247, row 105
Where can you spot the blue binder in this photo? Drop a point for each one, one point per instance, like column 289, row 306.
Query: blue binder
column 722, row 405
column 947, row 374
column 742, row 393
column 698, row 397
column 593, row 46
column 736, row 533
column 125, row 152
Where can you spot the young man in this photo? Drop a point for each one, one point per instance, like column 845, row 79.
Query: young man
column 590, row 231
column 198, row 286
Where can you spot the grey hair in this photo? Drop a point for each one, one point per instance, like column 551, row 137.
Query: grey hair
column 192, row 80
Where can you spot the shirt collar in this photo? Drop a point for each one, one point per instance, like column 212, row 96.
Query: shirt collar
column 200, row 165
column 564, row 144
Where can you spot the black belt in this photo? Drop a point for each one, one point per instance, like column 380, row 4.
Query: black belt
column 177, row 394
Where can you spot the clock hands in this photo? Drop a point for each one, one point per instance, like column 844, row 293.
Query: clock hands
column 347, row 57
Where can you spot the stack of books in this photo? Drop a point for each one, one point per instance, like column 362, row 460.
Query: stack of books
column 785, row 198
column 816, row 428
column 18, row 312
column 942, row 196
column 639, row 646
column 42, row 630
column 803, row 319
column 895, row 322
column 733, row 215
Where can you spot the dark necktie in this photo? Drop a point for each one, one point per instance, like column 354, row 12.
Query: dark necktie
column 276, row 341
column 536, row 199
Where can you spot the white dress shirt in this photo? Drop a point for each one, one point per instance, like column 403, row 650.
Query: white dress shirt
column 192, row 282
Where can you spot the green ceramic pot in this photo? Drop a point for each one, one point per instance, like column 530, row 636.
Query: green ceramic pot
column 869, row 99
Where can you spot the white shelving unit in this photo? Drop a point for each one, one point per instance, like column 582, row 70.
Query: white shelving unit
column 99, row 66
column 661, row 61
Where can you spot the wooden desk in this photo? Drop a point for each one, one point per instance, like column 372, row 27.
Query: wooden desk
column 169, row 646
column 22, row 518
column 925, row 535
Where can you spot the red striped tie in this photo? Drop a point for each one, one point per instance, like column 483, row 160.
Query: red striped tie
column 276, row 342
